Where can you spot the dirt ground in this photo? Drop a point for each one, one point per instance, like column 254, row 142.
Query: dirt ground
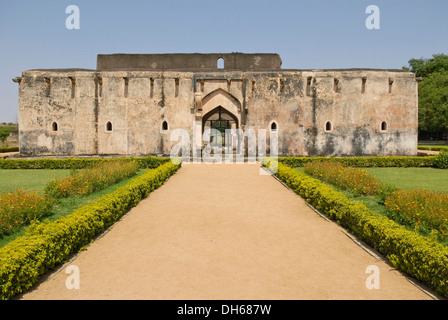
column 225, row 232
column 6, row 155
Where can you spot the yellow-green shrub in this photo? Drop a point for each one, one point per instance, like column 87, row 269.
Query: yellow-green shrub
column 48, row 244
column 364, row 162
column 419, row 256
column 83, row 182
column 75, row 163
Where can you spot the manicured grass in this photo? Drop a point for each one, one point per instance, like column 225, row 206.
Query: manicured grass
column 413, row 178
column 66, row 206
column 404, row 178
column 32, row 180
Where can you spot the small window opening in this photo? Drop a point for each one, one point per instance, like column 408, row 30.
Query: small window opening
column 308, row 86
column 391, row 82
column 54, row 127
column 176, row 93
column 384, row 126
column 336, row 85
column 364, row 81
column 273, row 126
column 328, row 126
column 151, row 93
column 282, row 85
column 254, row 86
column 48, row 81
column 108, row 126
column 100, row 86
column 73, row 82
column 202, row 85
column 220, row 63
column 126, row 87
column 165, row 125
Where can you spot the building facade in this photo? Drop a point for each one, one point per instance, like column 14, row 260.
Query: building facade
column 131, row 104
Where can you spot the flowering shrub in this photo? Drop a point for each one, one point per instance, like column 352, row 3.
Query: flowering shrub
column 408, row 251
column 48, row 244
column 21, row 207
column 348, row 178
column 420, row 208
column 86, row 181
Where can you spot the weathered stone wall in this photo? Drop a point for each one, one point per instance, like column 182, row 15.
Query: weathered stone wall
column 136, row 103
column 189, row 61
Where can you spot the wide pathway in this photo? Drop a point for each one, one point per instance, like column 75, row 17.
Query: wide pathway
column 225, row 232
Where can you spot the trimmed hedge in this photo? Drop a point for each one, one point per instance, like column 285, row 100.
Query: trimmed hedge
column 48, row 244
column 10, row 149
column 364, row 162
column 153, row 162
column 74, row 163
column 421, row 257
column 434, row 148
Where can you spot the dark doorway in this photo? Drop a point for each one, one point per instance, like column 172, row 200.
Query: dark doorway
column 221, row 120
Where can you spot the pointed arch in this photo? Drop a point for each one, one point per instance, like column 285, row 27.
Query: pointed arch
column 220, row 97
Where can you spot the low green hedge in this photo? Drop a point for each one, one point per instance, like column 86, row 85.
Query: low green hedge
column 363, row 162
column 75, row 163
column 10, row 149
column 433, row 148
column 422, row 258
column 153, row 162
column 48, row 244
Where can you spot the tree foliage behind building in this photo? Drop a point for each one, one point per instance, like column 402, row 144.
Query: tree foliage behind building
column 433, row 95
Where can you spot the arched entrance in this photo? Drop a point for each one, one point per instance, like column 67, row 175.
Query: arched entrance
column 221, row 111
column 221, row 120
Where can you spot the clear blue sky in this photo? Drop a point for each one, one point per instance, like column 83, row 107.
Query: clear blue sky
column 306, row 34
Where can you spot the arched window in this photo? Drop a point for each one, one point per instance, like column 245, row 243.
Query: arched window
column 220, row 63
column 164, row 126
column 108, row 126
column 273, row 126
column 54, row 127
column 384, row 126
column 328, row 126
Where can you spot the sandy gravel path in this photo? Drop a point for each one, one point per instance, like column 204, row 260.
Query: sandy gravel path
column 225, row 232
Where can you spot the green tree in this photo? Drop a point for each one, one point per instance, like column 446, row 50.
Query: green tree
column 433, row 104
column 424, row 67
column 433, row 95
column 5, row 131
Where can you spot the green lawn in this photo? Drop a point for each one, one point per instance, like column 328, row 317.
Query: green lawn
column 32, row 180
column 64, row 206
column 407, row 178
column 403, row 178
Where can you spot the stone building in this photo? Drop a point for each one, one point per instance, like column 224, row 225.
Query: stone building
column 131, row 103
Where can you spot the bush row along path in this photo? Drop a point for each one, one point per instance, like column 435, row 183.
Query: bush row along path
column 225, row 232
